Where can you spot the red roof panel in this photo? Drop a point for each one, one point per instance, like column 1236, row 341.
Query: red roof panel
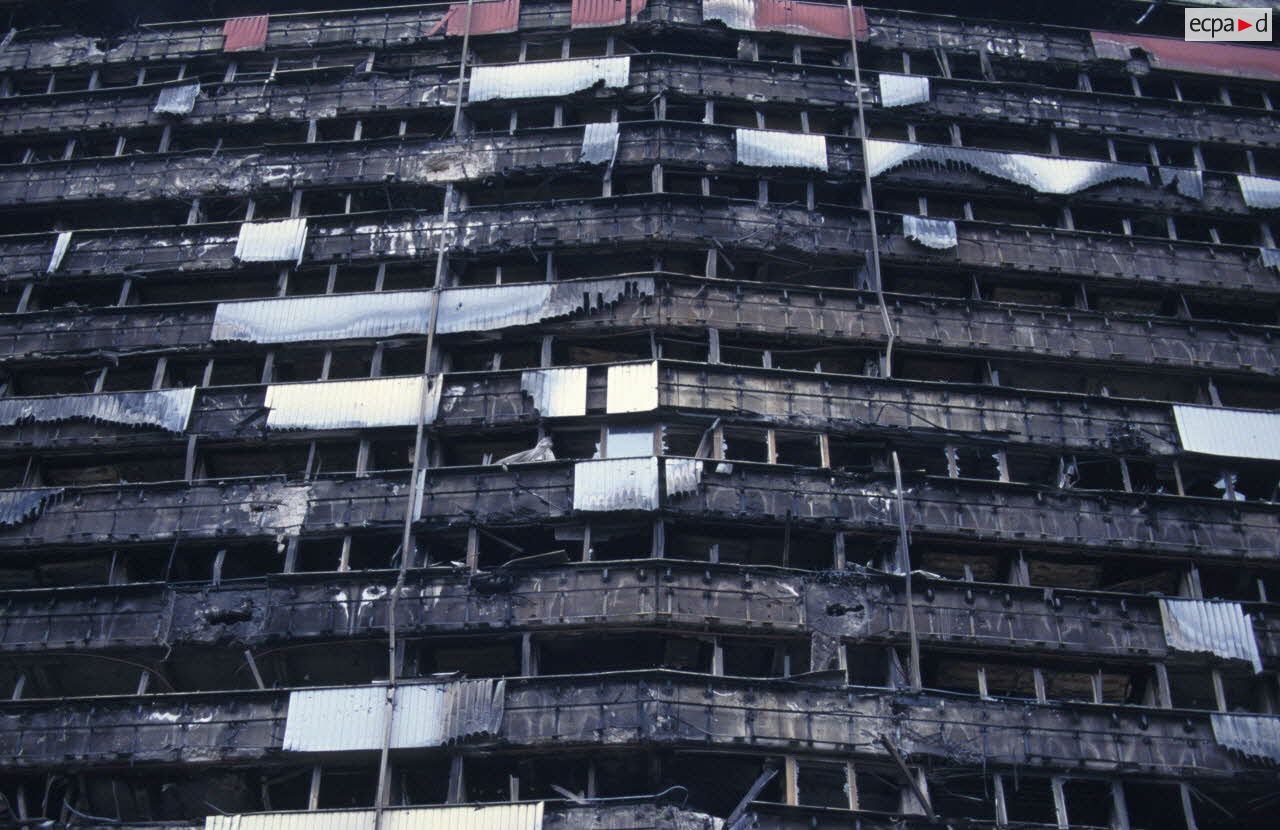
column 245, row 34
column 588, row 13
column 492, row 17
column 1179, row 55
column 814, row 19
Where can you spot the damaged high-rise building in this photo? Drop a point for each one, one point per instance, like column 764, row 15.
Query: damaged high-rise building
column 637, row 415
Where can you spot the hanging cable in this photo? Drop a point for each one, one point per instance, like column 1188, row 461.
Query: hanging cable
column 871, row 202
column 407, row 546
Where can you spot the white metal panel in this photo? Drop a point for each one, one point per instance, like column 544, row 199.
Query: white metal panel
column 683, row 475
column 542, row 79
column 350, row 404
column 628, row 441
column 939, row 234
column 599, row 143
column 1270, row 257
column 616, row 484
column 1259, row 192
column 18, row 506
column 523, row 816
column 632, row 387
column 426, row 714
column 1233, row 433
column 903, row 90
column 168, row 409
column 1220, row 628
column 558, row 392
column 60, row 246
column 1043, row 174
column 775, row 148
column 1187, row 182
column 177, row 100
column 323, row 317
column 490, row 307
column 736, row 14
column 281, row 241
column 1254, row 735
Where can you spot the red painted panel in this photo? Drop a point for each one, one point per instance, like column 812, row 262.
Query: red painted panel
column 588, row 13
column 492, row 17
column 815, row 19
column 244, row 34
column 1179, row 55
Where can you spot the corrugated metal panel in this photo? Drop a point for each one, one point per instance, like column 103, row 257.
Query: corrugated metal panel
column 775, row 148
column 503, row 306
column 584, row 14
column 939, row 234
column 350, row 404
column 487, row 18
column 168, row 409
column 633, row 387
column 556, row 393
column 1040, row 173
column 1189, row 183
column 683, row 475
column 177, row 100
column 1220, row 628
column 1270, row 257
column 245, row 33
column 1178, row 55
column 1234, row 433
column 18, row 506
column 599, row 143
column 426, row 714
column 812, row 19
column 902, row 90
column 616, row 484
column 280, row 241
column 1260, row 192
column 60, row 247
column 526, row 816
column 323, row 317
column 541, row 79
column 1254, row 735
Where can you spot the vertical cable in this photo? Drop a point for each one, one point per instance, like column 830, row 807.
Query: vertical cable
column 871, row 202
column 419, row 450
column 905, row 553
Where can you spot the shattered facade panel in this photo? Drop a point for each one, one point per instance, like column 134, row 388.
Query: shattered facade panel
column 603, row 414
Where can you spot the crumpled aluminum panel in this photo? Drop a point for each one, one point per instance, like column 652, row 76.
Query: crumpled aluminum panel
column 279, row 241
column 1040, row 173
column 776, row 148
column 939, row 234
column 1259, row 192
column 1255, row 735
column 1270, row 257
column 168, row 409
column 632, row 387
column 1189, row 183
column 323, row 317
column 541, row 452
column 491, row 307
column 543, row 79
column 903, row 90
column 427, row 714
column 351, row 404
column 556, row 393
column 18, row 506
column 599, row 143
column 683, row 475
column 1220, row 628
column 524, row 816
column 60, row 247
column 1232, row 433
column 616, row 484
column 177, row 100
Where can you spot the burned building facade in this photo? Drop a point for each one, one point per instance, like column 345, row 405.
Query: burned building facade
column 673, row 414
